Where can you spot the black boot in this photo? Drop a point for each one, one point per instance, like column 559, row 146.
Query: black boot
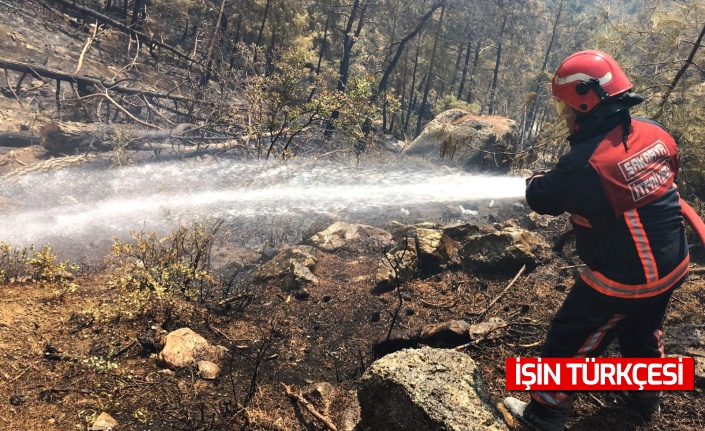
column 531, row 419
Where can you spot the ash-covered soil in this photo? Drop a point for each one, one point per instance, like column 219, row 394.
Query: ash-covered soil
column 275, row 338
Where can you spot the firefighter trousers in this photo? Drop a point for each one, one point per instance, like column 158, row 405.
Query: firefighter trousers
column 585, row 325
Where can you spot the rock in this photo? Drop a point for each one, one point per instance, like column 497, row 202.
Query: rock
column 183, row 347
column 208, row 370
column 425, row 389
column 300, row 275
column 351, row 237
column 433, row 249
column 535, row 221
column 406, row 339
column 502, row 251
column 485, row 329
column 288, row 267
column 446, row 334
column 400, row 265
column 466, row 139
column 104, row 422
column 460, row 231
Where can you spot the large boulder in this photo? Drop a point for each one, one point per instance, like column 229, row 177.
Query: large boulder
column 504, row 251
column 425, row 389
column 351, row 237
column 470, row 141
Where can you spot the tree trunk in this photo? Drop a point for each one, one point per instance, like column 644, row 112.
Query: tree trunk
column 403, row 90
column 412, row 100
column 269, row 57
column 135, row 14
column 464, row 74
column 211, row 45
column 321, row 52
column 81, row 80
column 533, row 106
column 17, row 139
column 429, row 77
column 261, row 29
column 69, row 138
column 236, row 41
column 493, row 90
column 382, row 87
column 475, row 62
column 454, row 79
column 348, row 42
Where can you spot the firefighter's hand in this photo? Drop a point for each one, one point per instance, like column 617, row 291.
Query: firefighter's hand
column 536, row 174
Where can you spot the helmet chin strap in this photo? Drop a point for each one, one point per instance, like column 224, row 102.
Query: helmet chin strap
column 612, row 105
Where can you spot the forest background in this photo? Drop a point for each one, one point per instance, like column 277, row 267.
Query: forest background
column 284, row 73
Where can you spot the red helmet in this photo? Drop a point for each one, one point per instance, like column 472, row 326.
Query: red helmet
column 587, row 78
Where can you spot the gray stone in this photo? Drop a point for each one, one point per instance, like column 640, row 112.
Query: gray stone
column 287, row 266
column 301, row 275
column 349, row 236
column 503, row 251
column 425, row 389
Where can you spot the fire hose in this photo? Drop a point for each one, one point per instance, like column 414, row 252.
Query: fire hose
column 693, row 220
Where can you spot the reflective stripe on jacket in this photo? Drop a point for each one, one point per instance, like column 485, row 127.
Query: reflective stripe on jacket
column 624, row 208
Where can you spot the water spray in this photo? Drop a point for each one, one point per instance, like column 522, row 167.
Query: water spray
column 89, row 204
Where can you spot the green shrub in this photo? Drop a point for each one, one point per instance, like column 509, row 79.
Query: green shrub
column 41, row 266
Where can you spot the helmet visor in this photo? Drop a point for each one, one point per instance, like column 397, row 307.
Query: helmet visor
column 563, row 109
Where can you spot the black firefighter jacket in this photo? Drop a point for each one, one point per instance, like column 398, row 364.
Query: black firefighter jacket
column 624, row 207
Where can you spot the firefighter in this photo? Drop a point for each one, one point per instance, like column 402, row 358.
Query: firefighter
column 618, row 183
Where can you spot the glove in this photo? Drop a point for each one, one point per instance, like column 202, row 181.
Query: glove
column 536, row 174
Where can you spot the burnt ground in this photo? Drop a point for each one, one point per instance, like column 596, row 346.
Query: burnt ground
column 273, row 337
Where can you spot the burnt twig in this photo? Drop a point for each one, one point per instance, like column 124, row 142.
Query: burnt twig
column 300, row 398
column 506, row 289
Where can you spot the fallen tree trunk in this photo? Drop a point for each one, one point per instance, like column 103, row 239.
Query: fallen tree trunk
column 129, row 30
column 43, row 72
column 71, row 138
column 18, row 139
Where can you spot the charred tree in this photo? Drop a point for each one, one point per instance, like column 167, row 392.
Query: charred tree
column 84, row 81
column 348, row 42
column 533, row 106
column 498, row 62
column 464, row 74
column 261, row 29
column 382, row 87
column 429, row 77
column 147, row 40
column 72, row 138
column 211, row 44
